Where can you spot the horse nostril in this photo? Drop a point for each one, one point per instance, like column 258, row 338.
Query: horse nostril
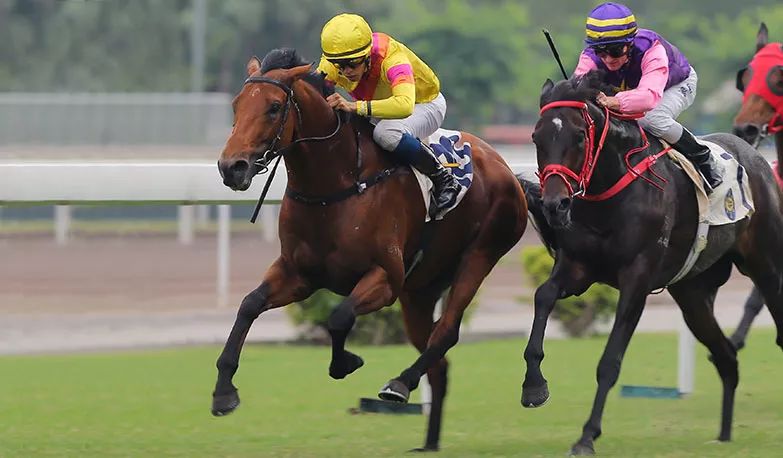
column 564, row 203
column 747, row 132
column 239, row 167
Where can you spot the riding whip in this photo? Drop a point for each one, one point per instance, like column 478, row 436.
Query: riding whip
column 554, row 52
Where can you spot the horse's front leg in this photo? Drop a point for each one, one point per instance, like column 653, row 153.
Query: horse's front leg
column 634, row 288
column 567, row 279
column 375, row 290
column 281, row 286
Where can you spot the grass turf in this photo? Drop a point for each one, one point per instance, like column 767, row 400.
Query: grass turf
column 156, row 404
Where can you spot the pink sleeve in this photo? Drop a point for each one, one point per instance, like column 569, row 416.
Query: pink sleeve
column 585, row 65
column 655, row 74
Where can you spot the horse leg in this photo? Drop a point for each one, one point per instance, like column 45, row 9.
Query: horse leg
column 770, row 283
column 281, row 286
column 340, row 323
column 752, row 308
column 633, row 293
column 417, row 310
column 695, row 296
column 566, row 279
column 373, row 292
column 474, row 267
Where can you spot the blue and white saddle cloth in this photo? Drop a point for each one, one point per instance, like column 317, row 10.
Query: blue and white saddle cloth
column 455, row 155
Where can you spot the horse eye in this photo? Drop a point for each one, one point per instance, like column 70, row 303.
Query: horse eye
column 274, row 109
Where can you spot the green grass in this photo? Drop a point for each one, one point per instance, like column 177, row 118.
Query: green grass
column 156, row 403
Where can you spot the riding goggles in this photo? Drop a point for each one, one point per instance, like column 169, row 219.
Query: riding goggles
column 342, row 64
column 614, row 50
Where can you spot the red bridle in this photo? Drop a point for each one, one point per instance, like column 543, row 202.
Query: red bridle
column 593, row 152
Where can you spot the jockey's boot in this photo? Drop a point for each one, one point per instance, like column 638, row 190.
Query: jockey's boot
column 700, row 156
column 445, row 185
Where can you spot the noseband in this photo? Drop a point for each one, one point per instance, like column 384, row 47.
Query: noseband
column 593, row 152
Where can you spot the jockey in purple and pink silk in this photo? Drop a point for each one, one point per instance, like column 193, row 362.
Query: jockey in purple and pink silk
column 651, row 75
column 392, row 86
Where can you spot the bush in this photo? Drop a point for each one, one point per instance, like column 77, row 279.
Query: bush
column 382, row 327
column 579, row 313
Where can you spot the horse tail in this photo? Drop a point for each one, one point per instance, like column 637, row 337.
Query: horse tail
column 536, row 209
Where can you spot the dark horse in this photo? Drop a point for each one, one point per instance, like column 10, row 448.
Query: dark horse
column 756, row 120
column 637, row 238
column 352, row 222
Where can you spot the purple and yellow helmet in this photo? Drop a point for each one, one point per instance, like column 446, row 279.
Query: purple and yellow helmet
column 610, row 23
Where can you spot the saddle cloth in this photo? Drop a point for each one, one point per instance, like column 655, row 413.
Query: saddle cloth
column 456, row 156
column 730, row 202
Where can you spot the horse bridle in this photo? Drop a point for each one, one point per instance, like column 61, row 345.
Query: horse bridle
column 593, row 152
column 271, row 153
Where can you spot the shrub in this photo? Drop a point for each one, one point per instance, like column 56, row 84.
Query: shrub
column 382, row 327
column 577, row 314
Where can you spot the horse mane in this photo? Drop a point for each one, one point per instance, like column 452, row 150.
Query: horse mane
column 286, row 58
column 582, row 88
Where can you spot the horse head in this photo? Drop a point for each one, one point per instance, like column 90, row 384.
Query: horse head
column 568, row 137
column 761, row 82
column 268, row 117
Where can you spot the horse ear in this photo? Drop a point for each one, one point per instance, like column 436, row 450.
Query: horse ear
column 253, row 65
column 299, row 72
column 546, row 89
column 762, row 38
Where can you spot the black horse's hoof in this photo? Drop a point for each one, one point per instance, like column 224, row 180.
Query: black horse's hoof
column 535, row 396
column 395, row 391
column 582, row 449
column 426, row 448
column 345, row 365
column 224, row 404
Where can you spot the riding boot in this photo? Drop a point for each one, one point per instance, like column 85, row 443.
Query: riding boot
column 700, row 156
column 445, row 187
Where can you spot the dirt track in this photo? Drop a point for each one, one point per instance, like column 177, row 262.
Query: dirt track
column 127, row 292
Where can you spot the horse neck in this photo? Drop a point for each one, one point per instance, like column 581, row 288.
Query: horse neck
column 621, row 138
column 319, row 167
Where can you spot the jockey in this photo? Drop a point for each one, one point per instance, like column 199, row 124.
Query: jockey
column 393, row 86
column 652, row 77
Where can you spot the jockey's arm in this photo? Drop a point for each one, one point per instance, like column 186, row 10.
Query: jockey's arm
column 655, row 74
column 585, row 65
column 403, row 89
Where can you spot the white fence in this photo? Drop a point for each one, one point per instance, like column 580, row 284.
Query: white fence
column 185, row 183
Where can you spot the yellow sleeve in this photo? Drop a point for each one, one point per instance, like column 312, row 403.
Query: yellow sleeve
column 398, row 106
column 397, row 72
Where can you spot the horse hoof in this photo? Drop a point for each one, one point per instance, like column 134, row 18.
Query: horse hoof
column 224, row 404
column 394, row 391
column 535, row 396
column 582, row 449
column 426, row 448
column 345, row 365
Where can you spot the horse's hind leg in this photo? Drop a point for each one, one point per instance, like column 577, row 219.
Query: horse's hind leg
column 752, row 308
column 696, row 297
column 281, row 286
column 474, row 267
column 417, row 309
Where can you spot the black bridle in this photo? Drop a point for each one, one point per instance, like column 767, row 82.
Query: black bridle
column 272, row 152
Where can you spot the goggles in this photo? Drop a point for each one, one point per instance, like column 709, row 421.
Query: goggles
column 342, row 64
column 614, row 50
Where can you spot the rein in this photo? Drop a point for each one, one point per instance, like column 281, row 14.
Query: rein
column 593, row 152
column 270, row 154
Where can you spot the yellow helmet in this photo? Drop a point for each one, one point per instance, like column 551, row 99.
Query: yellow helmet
column 346, row 36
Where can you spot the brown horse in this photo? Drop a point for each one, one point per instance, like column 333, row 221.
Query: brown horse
column 353, row 220
column 756, row 120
